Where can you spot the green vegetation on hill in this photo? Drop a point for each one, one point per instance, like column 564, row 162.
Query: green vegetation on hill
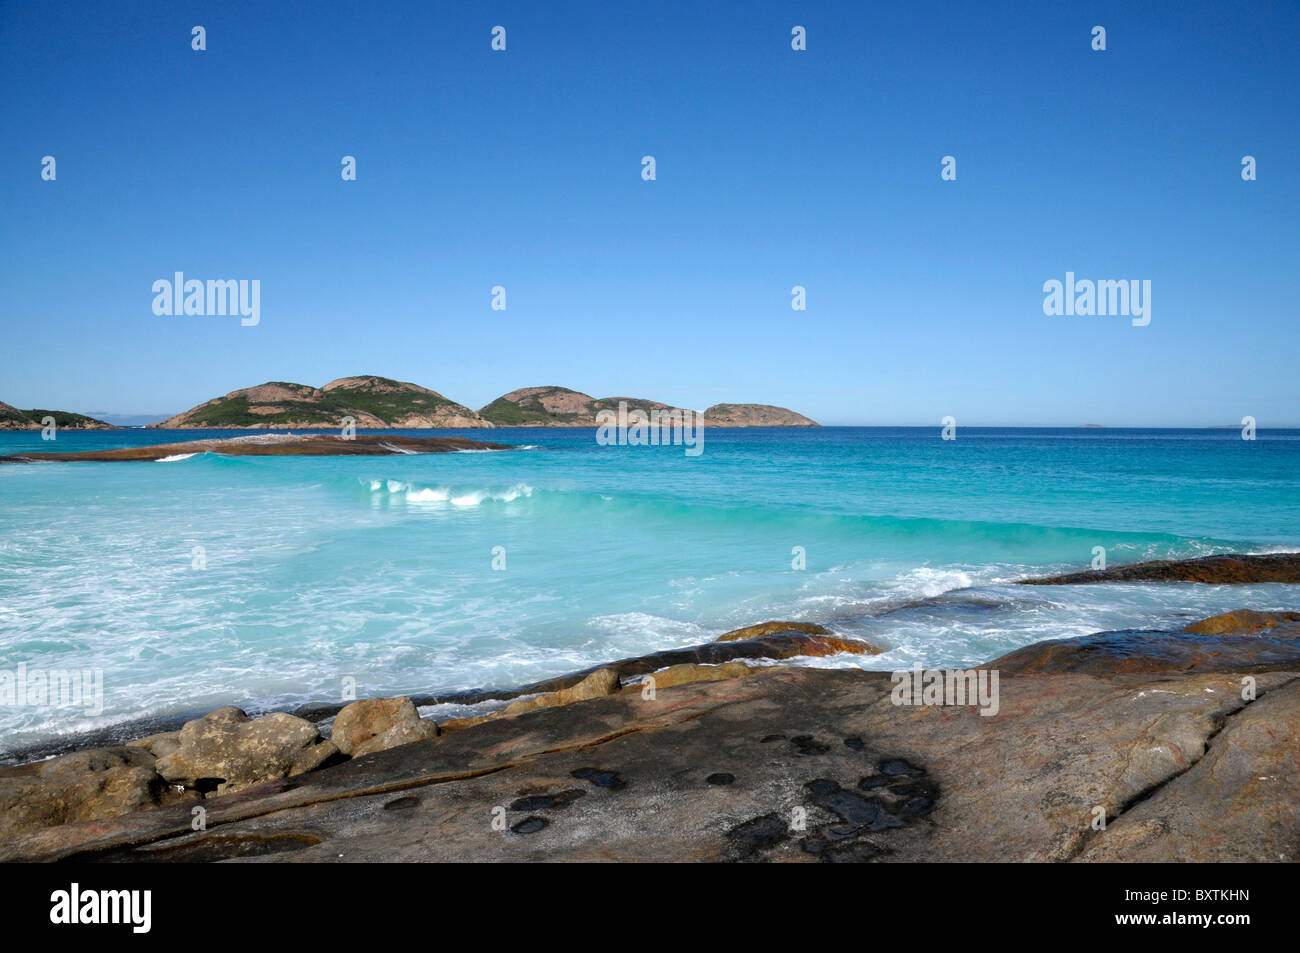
column 327, row 410
column 65, row 418
column 530, row 409
column 11, row 418
column 508, row 414
column 299, row 405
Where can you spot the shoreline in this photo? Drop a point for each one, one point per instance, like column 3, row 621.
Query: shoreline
column 1227, row 569
column 1184, row 684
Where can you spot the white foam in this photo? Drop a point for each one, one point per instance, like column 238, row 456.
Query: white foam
column 426, row 495
column 175, row 457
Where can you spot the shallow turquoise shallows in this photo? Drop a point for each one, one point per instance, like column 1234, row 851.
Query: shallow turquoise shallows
column 267, row 582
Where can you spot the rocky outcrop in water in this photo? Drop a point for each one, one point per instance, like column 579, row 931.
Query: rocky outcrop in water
column 270, row 445
column 1217, row 570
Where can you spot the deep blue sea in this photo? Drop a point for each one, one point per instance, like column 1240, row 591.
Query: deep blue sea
column 266, row 582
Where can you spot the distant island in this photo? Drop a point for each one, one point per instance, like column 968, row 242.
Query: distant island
column 561, row 407
column 11, row 418
column 382, row 403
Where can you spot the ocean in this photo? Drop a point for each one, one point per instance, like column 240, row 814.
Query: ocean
column 269, row 582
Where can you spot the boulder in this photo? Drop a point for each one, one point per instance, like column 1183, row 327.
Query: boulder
column 377, row 724
column 163, row 743
column 87, row 785
column 225, row 750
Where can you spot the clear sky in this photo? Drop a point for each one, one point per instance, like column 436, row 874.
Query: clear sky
column 775, row 168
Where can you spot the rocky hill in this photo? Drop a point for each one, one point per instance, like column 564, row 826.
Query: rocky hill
column 372, row 402
column 754, row 415
column 11, row 418
column 561, row 407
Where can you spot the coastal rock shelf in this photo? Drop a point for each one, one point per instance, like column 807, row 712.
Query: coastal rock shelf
column 1229, row 569
column 1189, row 752
column 266, row 445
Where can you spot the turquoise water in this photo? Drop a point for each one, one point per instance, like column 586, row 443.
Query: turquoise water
column 380, row 569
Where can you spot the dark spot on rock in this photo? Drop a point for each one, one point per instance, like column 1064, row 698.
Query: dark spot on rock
column 542, row 802
column 854, row 742
column 758, row 833
column 852, row 808
column 873, row 781
column 918, row 806
column 807, row 744
column 402, row 804
column 909, row 790
column 918, row 798
column 206, row 786
column 721, row 777
column 602, row 779
column 898, row 766
column 850, row 852
column 770, row 738
column 529, row 825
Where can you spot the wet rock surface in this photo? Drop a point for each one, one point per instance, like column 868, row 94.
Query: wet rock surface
column 1188, row 750
column 1219, row 570
column 1251, row 646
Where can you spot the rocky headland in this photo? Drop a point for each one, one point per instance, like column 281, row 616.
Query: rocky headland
column 11, row 418
column 1179, row 745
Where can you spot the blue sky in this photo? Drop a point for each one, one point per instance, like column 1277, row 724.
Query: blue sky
column 775, row 168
